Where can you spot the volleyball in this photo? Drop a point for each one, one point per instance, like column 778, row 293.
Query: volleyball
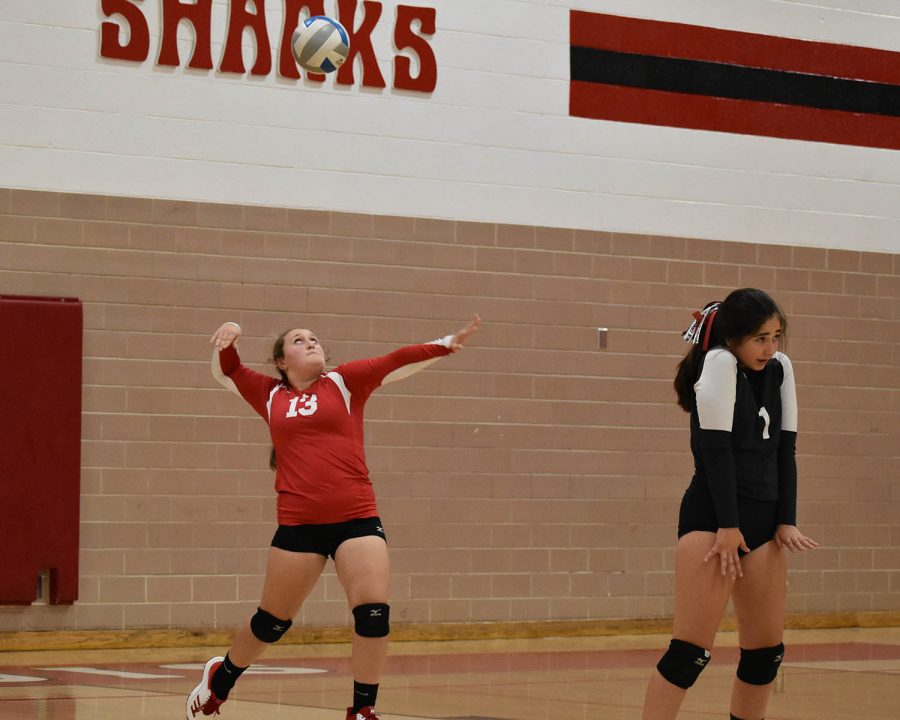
column 320, row 44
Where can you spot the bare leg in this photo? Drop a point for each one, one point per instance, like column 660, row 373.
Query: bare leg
column 759, row 600
column 701, row 595
column 364, row 571
column 290, row 578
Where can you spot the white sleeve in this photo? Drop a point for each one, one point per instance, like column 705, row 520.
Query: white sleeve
column 716, row 389
column 788, row 394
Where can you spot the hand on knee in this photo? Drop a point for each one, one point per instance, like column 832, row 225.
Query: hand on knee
column 372, row 620
column 759, row 667
column 682, row 663
column 267, row 628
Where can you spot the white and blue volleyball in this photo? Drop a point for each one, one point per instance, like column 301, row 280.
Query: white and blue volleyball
column 320, row 44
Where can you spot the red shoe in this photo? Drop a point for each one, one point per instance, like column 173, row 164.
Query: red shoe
column 202, row 700
column 366, row 713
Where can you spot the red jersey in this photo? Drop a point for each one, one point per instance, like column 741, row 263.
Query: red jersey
column 321, row 474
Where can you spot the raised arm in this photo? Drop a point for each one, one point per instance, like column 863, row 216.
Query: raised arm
column 225, row 363
column 363, row 376
column 454, row 343
column 460, row 339
column 228, row 371
column 227, row 334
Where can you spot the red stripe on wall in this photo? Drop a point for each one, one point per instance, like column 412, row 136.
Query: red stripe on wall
column 699, row 112
column 694, row 42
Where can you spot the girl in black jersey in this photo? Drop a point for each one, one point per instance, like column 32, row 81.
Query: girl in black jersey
column 740, row 508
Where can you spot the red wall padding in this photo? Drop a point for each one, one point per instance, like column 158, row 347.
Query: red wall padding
column 40, row 446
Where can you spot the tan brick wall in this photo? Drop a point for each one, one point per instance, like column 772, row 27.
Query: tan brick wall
column 532, row 477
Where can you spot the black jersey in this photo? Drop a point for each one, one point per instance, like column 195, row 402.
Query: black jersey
column 743, row 434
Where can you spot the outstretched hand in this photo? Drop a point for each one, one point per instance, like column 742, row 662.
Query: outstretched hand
column 227, row 335
column 788, row 536
column 728, row 540
column 463, row 335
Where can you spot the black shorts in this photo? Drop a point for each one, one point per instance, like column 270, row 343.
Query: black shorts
column 757, row 517
column 325, row 539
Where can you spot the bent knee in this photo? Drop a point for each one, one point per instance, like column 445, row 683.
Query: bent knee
column 267, row 628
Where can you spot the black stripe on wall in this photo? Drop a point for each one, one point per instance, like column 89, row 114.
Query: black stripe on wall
column 697, row 77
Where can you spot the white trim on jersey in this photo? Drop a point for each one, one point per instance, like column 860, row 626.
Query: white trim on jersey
column 342, row 386
column 716, row 390
column 269, row 402
column 221, row 377
column 788, row 394
column 411, row 369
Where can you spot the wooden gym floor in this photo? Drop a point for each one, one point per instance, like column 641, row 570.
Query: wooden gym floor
column 845, row 674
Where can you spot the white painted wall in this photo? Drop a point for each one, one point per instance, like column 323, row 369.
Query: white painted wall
column 493, row 142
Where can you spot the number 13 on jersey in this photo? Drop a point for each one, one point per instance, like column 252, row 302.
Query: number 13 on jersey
column 310, row 404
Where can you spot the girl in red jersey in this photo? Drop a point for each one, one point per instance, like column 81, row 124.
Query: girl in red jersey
column 326, row 505
column 739, row 514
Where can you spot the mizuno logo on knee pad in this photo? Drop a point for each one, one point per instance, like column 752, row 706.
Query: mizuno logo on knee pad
column 268, row 628
column 760, row 666
column 682, row 663
column 372, row 620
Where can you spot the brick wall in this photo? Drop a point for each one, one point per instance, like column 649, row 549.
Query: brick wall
column 532, row 477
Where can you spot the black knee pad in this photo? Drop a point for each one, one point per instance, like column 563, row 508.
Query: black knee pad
column 372, row 620
column 759, row 667
column 683, row 663
column 268, row 628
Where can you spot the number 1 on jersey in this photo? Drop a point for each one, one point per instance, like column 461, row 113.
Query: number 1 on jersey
column 764, row 414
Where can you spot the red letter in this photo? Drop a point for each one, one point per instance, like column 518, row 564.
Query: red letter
column 199, row 15
column 287, row 66
column 404, row 37
column 233, row 59
column 138, row 45
column 360, row 43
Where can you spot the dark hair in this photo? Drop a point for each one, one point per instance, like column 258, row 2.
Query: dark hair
column 278, row 354
column 738, row 317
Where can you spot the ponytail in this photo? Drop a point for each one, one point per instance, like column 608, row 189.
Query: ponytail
column 278, row 354
column 699, row 334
